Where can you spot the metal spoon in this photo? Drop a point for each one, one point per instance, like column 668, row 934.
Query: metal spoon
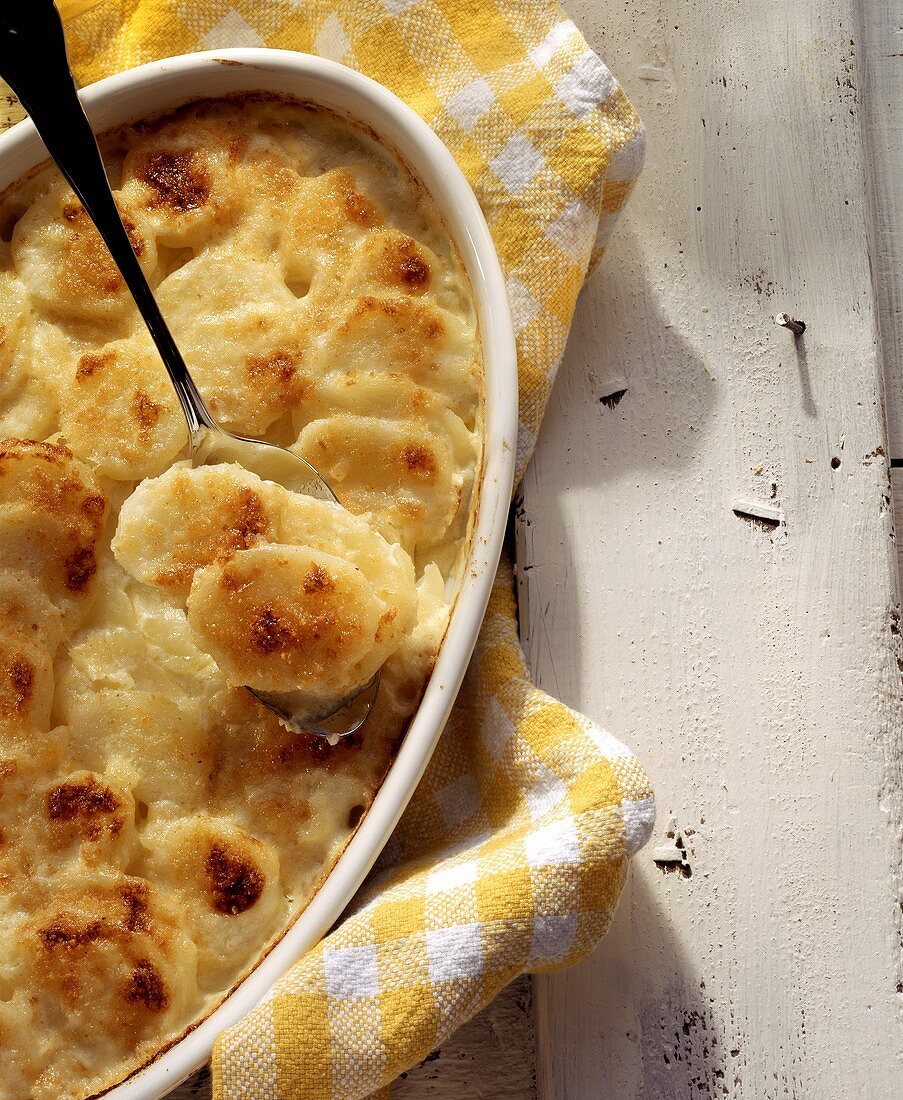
column 34, row 63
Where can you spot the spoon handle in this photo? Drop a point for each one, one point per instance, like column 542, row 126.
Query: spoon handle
column 33, row 62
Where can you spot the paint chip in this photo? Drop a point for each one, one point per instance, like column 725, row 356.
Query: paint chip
column 760, row 510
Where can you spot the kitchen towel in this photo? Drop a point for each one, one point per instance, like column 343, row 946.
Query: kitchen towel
column 514, row 849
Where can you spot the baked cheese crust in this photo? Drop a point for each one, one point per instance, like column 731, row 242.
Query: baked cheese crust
column 159, row 829
column 285, row 592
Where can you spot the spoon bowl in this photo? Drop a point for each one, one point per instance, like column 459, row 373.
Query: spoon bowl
column 213, row 446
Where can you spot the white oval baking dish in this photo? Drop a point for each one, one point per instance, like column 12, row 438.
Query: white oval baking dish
column 155, row 87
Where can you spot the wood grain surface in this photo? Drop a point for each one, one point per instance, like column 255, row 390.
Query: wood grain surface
column 753, row 664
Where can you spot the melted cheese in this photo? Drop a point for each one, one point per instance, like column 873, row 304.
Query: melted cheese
column 159, row 829
column 287, row 593
column 244, row 334
column 61, row 259
column 119, row 412
column 393, row 450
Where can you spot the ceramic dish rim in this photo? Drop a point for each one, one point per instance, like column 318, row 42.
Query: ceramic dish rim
column 115, row 100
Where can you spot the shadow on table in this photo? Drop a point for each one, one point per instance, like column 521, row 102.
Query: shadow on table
column 674, row 1049
column 633, row 395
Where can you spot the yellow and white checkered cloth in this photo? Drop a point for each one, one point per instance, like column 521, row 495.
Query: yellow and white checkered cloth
column 514, row 849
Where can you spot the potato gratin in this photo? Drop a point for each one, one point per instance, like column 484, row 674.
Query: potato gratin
column 158, row 828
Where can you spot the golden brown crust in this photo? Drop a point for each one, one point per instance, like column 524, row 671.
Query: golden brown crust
column 90, row 363
column 286, row 593
column 52, row 518
column 145, row 987
column 88, row 937
column 178, row 181
column 121, row 414
column 267, row 625
column 66, row 266
column 201, row 518
column 235, row 881
column 85, row 807
column 245, row 523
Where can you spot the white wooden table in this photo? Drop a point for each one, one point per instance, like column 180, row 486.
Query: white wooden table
column 754, row 665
